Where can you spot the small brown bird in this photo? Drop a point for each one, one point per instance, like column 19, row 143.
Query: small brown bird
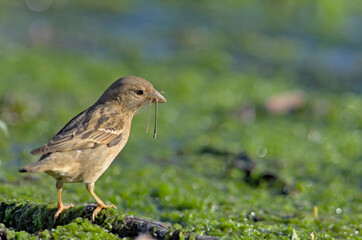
column 83, row 149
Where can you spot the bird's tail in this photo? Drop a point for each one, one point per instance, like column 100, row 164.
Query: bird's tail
column 35, row 167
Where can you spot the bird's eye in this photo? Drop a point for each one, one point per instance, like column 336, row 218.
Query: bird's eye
column 139, row 92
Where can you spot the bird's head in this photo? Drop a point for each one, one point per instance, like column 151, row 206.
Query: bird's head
column 131, row 93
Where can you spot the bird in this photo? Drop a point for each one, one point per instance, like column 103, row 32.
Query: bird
column 86, row 146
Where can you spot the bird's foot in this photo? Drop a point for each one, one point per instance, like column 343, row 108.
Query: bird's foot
column 61, row 209
column 99, row 208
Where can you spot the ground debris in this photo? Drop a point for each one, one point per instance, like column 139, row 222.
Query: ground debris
column 242, row 161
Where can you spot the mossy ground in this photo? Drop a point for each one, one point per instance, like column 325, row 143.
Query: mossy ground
column 314, row 150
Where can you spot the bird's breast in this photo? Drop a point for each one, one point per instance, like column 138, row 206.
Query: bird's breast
column 85, row 165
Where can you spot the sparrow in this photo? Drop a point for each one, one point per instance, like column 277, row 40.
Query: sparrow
column 86, row 146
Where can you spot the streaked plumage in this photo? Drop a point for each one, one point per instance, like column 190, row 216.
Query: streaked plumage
column 88, row 144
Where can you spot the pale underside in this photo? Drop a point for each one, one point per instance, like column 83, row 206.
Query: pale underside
column 82, row 165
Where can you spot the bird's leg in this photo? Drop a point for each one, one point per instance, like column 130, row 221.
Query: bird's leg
column 100, row 203
column 61, row 206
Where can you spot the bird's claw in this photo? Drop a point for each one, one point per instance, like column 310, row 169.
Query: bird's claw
column 61, row 209
column 112, row 206
column 99, row 208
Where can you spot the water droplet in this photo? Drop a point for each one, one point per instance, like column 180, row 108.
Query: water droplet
column 195, row 186
column 315, row 136
column 38, row 5
column 261, row 151
column 338, row 210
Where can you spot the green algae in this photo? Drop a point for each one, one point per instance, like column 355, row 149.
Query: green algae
column 79, row 228
column 314, row 150
column 28, row 218
column 82, row 229
column 12, row 234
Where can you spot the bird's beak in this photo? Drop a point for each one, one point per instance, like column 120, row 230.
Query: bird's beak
column 157, row 97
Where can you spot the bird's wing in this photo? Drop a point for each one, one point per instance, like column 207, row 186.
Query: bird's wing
column 89, row 129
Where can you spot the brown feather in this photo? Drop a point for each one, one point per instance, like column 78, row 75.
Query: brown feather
column 90, row 132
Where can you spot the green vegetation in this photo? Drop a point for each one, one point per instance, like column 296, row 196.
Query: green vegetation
column 36, row 219
column 219, row 79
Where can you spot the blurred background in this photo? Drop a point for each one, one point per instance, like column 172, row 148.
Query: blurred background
column 264, row 102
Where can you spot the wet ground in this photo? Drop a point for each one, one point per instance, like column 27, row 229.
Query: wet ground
column 261, row 133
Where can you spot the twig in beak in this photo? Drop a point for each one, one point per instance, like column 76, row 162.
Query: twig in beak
column 149, row 114
column 155, row 129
